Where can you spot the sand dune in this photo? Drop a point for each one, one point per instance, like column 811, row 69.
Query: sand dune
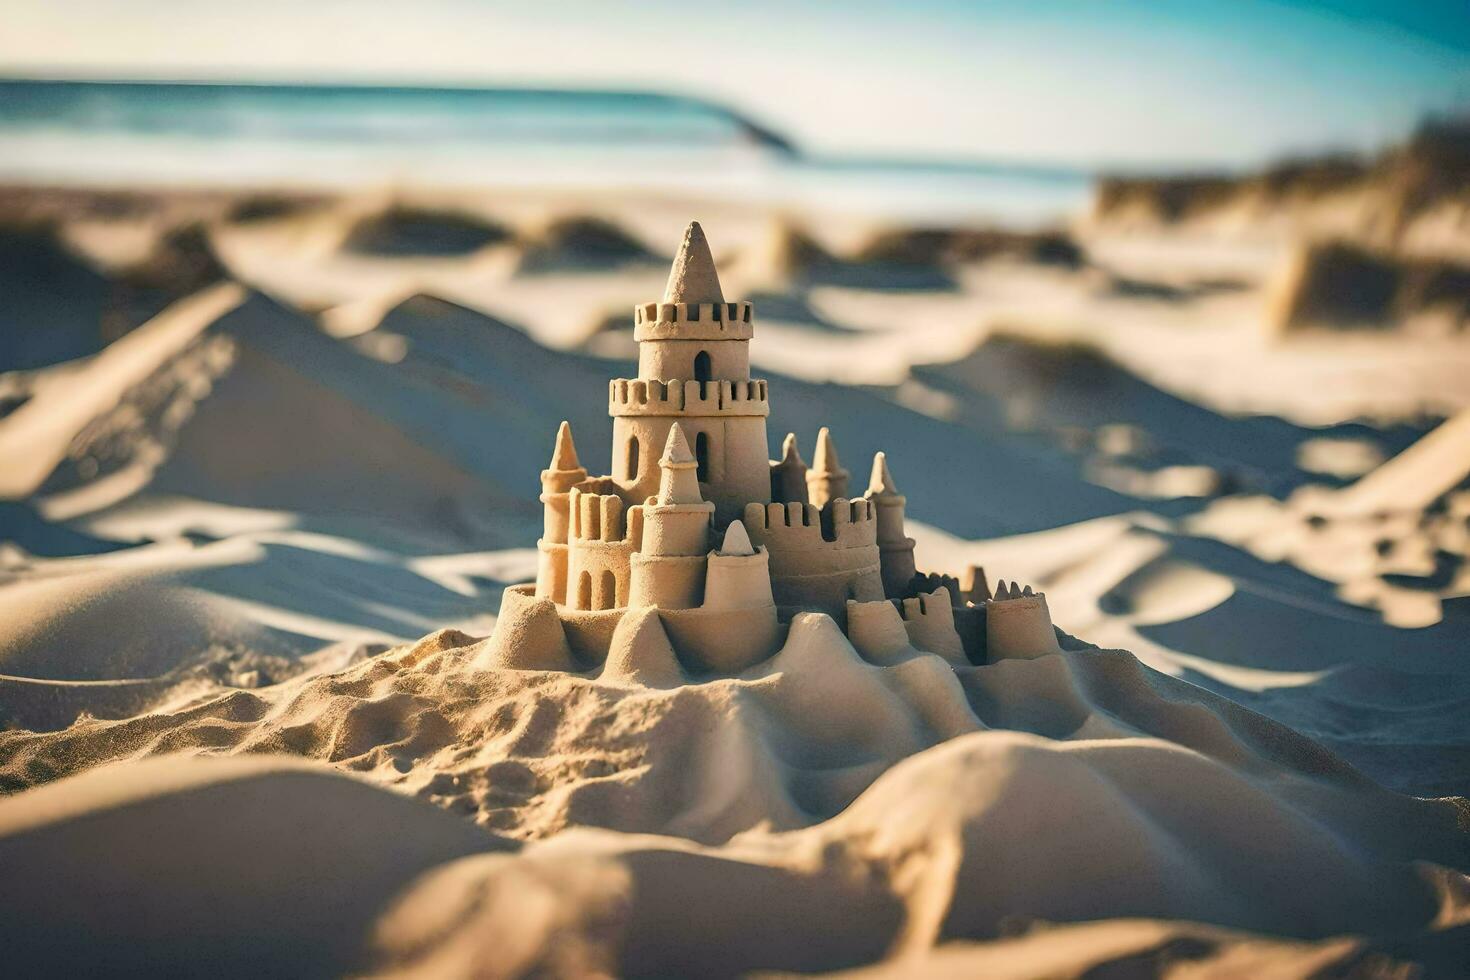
column 226, row 532
column 174, row 868
column 1156, row 801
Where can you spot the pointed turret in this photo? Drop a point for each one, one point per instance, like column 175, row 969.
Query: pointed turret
column 788, row 474
column 693, row 278
column 563, row 473
column 881, row 482
column 826, row 480
column 737, row 541
column 668, row 569
column 895, row 547
column 679, row 483
column 973, row 586
column 564, row 456
column 694, row 366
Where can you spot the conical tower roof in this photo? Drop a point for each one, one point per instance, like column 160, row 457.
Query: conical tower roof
column 790, row 453
column 678, row 484
column 676, row 448
column 825, row 459
column 564, row 456
column 880, row 484
column 693, row 278
column 737, row 540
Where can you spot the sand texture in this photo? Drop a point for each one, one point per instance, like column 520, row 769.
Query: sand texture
column 267, row 468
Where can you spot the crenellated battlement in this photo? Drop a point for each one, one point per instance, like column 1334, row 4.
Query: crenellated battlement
column 645, row 396
column 924, row 583
column 796, row 526
column 602, row 517
column 693, row 321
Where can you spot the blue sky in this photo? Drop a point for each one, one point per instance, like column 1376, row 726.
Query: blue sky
column 1110, row 82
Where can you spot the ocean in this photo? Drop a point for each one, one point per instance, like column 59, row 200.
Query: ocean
column 320, row 136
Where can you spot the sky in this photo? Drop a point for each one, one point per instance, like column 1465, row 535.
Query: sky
column 1114, row 83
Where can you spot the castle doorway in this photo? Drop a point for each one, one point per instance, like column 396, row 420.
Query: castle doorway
column 584, row 591
column 702, row 369
column 609, row 590
column 633, row 451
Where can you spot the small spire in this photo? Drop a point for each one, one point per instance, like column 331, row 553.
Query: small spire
column 693, row 278
column 974, row 585
column 737, row 541
column 825, row 460
column 677, row 483
column 564, row 456
column 676, row 448
column 881, row 482
column 790, row 454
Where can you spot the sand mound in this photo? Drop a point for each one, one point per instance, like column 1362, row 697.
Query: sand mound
column 42, row 617
column 1339, row 286
column 405, row 230
column 583, row 244
column 240, row 867
column 819, row 813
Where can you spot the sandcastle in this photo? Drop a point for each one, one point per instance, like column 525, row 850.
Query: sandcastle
column 698, row 551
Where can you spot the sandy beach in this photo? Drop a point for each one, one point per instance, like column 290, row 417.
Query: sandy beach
column 269, row 462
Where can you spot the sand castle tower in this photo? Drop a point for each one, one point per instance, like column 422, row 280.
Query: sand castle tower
column 564, row 472
column 739, row 575
column 826, row 480
column 693, row 368
column 1018, row 624
column 668, row 571
column 788, row 474
column 895, row 548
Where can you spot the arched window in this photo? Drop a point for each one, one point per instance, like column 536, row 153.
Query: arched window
column 609, row 590
column 633, row 458
column 701, row 456
column 702, row 369
column 584, row 591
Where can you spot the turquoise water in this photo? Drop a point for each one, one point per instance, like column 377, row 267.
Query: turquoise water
column 342, row 136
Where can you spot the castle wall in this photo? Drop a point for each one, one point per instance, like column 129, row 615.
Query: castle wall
column 723, row 641
column 706, row 641
column 929, row 622
column 1019, row 628
column 738, row 582
column 737, row 468
column 876, row 631
column 667, row 581
column 602, row 537
column 666, row 359
column 819, row 558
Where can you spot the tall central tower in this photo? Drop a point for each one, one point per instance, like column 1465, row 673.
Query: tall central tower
column 694, row 369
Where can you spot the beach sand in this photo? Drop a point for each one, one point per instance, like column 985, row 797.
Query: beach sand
column 265, row 473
